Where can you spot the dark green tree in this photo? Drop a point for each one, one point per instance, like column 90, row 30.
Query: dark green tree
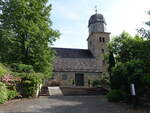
column 111, row 62
column 27, row 34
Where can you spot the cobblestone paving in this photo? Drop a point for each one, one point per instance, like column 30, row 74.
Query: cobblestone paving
column 63, row 104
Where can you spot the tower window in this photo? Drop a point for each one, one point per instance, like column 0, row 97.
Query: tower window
column 100, row 39
column 103, row 39
column 103, row 62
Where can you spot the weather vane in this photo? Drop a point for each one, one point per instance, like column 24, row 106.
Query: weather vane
column 96, row 9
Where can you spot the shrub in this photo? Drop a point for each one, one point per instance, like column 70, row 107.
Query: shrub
column 29, row 84
column 96, row 83
column 115, row 95
column 3, row 93
column 3, row 70
column 104, row 81
column 10, row 81
column 89, row 83
column 12, row 94
column 124, row 74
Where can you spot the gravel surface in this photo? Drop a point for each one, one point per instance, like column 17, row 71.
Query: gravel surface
column 64, row 104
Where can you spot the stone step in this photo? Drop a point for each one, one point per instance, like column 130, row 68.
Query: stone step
column 55, row 91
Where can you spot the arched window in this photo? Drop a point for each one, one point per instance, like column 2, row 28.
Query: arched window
column 103, row 39
column 100, row 39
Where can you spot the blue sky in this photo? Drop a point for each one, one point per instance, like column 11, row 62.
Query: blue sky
column 71, row 17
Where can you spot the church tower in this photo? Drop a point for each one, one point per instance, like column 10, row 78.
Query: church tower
column 98, row 38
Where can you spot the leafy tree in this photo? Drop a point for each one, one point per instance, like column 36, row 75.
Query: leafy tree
column 145, row 32
column 125, row 47
column 132, row 56
column 26, row 33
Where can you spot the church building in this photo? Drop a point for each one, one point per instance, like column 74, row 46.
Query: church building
column 76, row 67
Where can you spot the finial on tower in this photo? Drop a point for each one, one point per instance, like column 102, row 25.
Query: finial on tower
column 96, row 9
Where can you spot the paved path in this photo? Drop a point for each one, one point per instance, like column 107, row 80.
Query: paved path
column 63, row 104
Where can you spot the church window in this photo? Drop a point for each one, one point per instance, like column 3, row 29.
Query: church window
column 100, row 39
column 103, row 39
column 103, row 62
column 103, row 51
column 93, row 27
column 64, row 77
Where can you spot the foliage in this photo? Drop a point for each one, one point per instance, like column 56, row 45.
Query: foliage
column 3, row 93
column 115, row 95
column 12, row 94
column 126, row 73
column 3, row 70
column 26, row 33
column 96, row 83
column 21, row 68
column 126, row 48
column 146, row 82
column 132, row 56
column 145, row 32
column 104, row 81
column 29, row 84
column 10, row 80
column 89, row 83
column 111, row 62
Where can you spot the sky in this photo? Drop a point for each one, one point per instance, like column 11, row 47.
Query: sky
column 71, row 18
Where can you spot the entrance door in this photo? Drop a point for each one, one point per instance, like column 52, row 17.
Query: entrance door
column 79, row 79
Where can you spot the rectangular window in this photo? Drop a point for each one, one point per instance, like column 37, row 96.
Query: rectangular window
column 64, row 77
column 103, row 62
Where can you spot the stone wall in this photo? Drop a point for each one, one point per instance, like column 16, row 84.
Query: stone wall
column 70, row 76
column 98, row 48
